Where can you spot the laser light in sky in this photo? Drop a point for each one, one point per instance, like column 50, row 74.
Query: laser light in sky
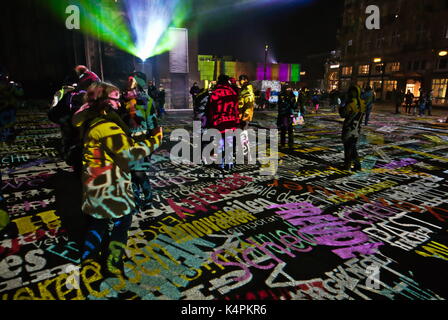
column 150, row 21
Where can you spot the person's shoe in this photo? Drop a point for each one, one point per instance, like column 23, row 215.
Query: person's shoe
column 113, row 269
column 9, row 232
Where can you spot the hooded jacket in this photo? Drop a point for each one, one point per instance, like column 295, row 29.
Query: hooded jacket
column 108, row 155
column 222, row 109
column 246, row 102
column 353, row 112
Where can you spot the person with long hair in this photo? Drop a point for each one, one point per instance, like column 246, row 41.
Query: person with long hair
column 108, row 198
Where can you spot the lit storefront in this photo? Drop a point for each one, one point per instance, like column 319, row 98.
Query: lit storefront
column 440, row 90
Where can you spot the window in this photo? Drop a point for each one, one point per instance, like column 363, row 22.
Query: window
column 440, row 88
column 380, row 41
column 347, row 71
column 389, row 86
column 378, row 68
column 394, row 67
column 364, row 69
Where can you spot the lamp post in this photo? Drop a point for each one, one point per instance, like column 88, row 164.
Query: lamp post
column 266, row 48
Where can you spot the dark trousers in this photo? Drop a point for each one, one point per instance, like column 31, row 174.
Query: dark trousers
column 108, row 238
column 368, row 112
column 408, row 107
column 244, row 125
column 429, row 107
column 421, row 109
column 142, row 189
column 287, row 129
column 351, row 153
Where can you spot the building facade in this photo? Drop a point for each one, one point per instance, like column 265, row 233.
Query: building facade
column 210, row 67
column 407, row 52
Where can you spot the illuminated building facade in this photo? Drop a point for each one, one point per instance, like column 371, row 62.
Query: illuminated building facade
column 408, row 52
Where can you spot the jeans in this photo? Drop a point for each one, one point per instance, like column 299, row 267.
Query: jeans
column 429, row 108
column 141, row 187
column 225, row 145
column 421, row 109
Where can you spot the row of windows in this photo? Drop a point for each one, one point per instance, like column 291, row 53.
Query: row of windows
column 378, row 68
column 394, row 39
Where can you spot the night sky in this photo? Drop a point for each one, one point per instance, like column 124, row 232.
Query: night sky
column 293, row 30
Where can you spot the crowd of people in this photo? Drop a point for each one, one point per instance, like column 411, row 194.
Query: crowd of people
column 410, row 104
column 108, row 135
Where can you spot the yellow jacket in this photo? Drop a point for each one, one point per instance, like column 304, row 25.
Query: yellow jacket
column 246, row 103
column 108, row 154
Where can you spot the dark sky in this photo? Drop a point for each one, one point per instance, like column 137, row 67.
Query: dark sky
column 293, row 30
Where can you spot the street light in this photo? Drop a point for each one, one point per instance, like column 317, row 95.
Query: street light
column 443, row 53
column 266, row 48
column 377, row 60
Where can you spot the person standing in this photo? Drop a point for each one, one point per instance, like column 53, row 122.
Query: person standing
column 409, row 101
column 315, row 101
column 398, row 97
column 422, row 103
column 139, row 115
column 222, row 113
column 286, row 106
column 194, row 91
column 246, row 102
column 353, row 112
column 369, row 98
column 267, row 98
column 152, row 90
column 108, row 198
column 304, row 99
column 85, row 78
column 429, row 98
column 161, row 101
column 200, row 106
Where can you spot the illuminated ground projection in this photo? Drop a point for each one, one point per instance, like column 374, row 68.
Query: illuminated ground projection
column 312, row 232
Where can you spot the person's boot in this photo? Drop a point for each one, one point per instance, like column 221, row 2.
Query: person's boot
column 112, row 265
